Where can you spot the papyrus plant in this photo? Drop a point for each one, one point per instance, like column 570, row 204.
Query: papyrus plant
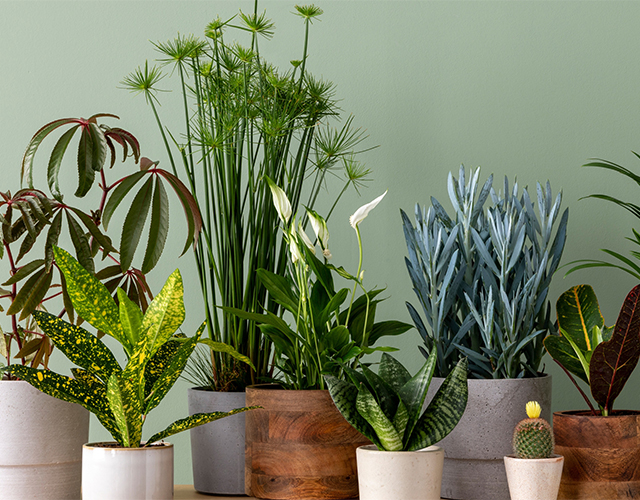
column 120, row 398
column 245, row 119
column 603, row 357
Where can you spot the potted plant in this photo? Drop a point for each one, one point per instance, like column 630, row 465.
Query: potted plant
column 32, row 222
column 121, row 399
column 243, row 118
column 533, row 471
column 599, row 445
column 482, row 277
column 389, row 408
column 298, row 444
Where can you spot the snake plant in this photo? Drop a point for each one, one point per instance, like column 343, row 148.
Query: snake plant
column 120, row 398
column 482, row 275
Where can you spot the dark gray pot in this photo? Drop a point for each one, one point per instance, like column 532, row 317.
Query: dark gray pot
column 217, row 448
column 474, row 451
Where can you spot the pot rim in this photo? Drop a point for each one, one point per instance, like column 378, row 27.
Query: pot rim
column 278, row 387
column 372, row 448
column 582, row 414
column 208, row 389
column 552, row 459
column 112, row 445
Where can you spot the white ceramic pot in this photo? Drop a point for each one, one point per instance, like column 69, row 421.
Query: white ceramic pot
column 399, row 475
column 110, row 472
column 41, row 444
column 534, row 478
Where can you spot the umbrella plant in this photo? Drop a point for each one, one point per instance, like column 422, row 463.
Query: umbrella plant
column 120, row 398
column 603, row 357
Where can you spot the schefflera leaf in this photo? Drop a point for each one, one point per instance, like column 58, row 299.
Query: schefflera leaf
column 613, row 361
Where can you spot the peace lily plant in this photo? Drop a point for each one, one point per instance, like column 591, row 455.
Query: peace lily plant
column 156, row 356
column 324, row 337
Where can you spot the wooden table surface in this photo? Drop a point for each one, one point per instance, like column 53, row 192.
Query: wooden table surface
column 186, row 492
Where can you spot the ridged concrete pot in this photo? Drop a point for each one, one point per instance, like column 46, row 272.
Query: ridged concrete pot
column 217, row 448
column 399, row 475
column 41, row 445
column 475, row 449
column 534, row 478
column 110, row 472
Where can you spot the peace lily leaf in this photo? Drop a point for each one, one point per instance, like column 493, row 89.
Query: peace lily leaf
column 369, row 409
column 194, row 421
column 444, row 411
column 87, row 294
column 280, row 288
column 613, row 361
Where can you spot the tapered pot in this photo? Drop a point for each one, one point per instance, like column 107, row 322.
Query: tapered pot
column 475, row 449
column 111, row 472
column 299, row 446
column 601, row 455
column 41, row 444
column 533, row 478
column 217, row 448
column 400, row 475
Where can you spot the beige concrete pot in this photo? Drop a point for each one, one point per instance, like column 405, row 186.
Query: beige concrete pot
column 110, row 472
column 399, row 475
column 41, row 445
column 534, row 478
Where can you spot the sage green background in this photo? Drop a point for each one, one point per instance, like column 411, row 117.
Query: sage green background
column 521, row 88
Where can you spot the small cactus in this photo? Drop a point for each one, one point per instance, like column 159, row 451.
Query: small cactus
column 533, row 437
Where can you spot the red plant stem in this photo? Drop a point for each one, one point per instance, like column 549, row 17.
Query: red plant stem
column 593, row 411
column 14, row 321
column 52, row 296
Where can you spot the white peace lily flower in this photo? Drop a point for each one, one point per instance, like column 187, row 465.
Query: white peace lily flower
column 280, row 201
column 326, row 253
column 306, row 239
column 319, row 226
column 364, row 210
column 295, row 251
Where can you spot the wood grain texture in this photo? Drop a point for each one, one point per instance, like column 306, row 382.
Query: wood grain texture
column 299, row 446
column 602, row 455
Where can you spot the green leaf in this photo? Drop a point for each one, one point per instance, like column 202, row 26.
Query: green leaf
column 444, row 411
column 99, row 236
column 80, row 244
column 78, row 345
column 158, row 229
column 613, row 361
column 86, row 174
column 401, row 419
column 386, row 329
column 52, row 239
column 159, row 362
column 393, row 372
column 344, row 395
column 578, row 312
column 414, row 392
column 90, row 298
column 134, row 223
column 194, row 421
column 127, row 409
column 560, row 349
column 31, row 294
column 368, row 407
column 280, row 288
column 55, row 160
column 130, row 317
column 24, row 271
column 227, row 349
column 99, row 143
column 118, row 194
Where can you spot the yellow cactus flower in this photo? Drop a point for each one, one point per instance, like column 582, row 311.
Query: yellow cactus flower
column 533, row 409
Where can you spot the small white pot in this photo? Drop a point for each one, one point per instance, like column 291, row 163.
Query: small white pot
column 110, row 472
column 534, row 478
column 399, row 475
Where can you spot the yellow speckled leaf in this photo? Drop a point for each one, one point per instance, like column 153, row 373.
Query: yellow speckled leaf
column 127, row 409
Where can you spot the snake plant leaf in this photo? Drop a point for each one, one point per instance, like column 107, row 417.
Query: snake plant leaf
column 172, row 372
column 134, row 224
column 80, row 244
column 414, row 391
column 344, row 396
column 86, row 293
column 130, row 317
column 24, row 271
column 194, row 421
column 55, row 160
column 31, row 294
column 387, row 398
column 165, row 314
column 118, row 194
column 77, row 344
column 444, row 411
column 561, row 350
column 613, row 361
column 393, row 372
column 99, row 236
column 401, row 419
column 127, row 409
column 227, row 349
column 158, row 229
column 369, row 409
column 280, row 289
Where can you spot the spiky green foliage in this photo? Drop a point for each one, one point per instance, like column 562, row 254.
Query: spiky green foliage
column 533, row 438
column 482, row 275
column 387, row 407
column 120, row 398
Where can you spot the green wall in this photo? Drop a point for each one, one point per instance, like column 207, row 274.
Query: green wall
column 527, row 89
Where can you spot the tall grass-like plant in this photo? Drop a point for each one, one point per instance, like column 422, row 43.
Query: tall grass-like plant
column 244, row 119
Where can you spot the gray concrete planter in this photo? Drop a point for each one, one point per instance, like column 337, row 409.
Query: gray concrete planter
column 41, row 445
column 217, row 448
column 474, row 451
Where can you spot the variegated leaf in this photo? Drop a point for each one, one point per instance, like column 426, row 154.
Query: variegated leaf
column 194, row 421
column 130, row 317
column 368, row 407
column 159, row 362
column 127, row 409
column 414, row 392
column 77, row 344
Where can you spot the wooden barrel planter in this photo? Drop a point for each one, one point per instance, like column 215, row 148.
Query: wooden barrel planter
column 299, row 446
column 601, row 455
